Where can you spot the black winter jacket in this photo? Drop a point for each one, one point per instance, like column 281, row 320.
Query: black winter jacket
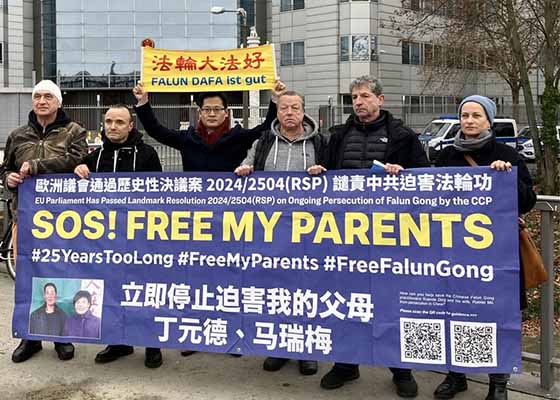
column 492, row 151
column 131, row 156
column 403, row 146
column 226, row 155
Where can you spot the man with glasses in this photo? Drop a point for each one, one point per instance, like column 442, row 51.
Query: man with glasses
column 212, row 145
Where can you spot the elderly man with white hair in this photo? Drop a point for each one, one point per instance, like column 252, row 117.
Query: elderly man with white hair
column 49, row 143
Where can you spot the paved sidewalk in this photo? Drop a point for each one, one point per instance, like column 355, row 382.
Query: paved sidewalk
column 200, row 376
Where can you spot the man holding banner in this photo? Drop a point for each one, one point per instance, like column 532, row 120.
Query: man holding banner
column 372, row 135
column 123, row 150
column 292, row 128
column 293, row 143
column 49, row 143
column 212, row 145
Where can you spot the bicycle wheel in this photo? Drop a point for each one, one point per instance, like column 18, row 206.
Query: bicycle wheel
column 10, row 260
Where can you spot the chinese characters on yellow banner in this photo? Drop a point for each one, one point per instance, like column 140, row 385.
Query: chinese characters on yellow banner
column 208, row 70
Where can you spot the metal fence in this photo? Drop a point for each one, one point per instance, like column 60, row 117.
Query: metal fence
column 176, row 116
column 548, row 206
column 414, row 116
column 180, row 116
column 172, row 116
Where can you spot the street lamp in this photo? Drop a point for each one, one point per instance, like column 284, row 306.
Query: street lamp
column 245, row 33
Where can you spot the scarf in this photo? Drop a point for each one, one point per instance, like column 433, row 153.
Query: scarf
column 467, row 145
column 210, row 138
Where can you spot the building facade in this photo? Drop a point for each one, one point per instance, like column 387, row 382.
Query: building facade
column 16, row 63
column 94, row 47
column 321, row 45
column 16, row 43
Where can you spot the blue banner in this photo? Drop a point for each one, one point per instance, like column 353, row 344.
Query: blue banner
column 419, row 270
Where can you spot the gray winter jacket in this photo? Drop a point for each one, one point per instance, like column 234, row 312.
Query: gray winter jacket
column 283, row 155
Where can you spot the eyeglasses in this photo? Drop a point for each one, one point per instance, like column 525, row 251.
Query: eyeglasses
column 209, row 110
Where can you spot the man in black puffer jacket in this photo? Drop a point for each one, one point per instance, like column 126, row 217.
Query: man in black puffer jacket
column 123, row 150
column 372, row 134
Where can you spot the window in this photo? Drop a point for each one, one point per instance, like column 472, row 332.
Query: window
column 503, row 129
column 286, row 5
column 364, row 48
column 428, row 54
column 405, row 52
column 292, row 53
column 456, row 58
column 451, row 103
column 438, row 54
column 299, row 4
column 426, row 6
column 431, row 104
column 415, row 104
column 1, row 53
column 344, row 54
column 289, row 5
column 438, row 105
column 415, row 53
column 299, row 53
column 412, row 53
column 453, row 131
column 346, row 100
column 286, row 54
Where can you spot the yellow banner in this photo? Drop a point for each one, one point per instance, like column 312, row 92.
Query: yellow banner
column 208, row 70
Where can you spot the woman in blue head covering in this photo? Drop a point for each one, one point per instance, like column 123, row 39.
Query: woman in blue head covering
column 475, row 144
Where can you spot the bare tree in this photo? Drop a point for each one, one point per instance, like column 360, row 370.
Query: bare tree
column 511, row 38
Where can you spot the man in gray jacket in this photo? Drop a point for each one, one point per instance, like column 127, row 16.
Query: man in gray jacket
column 293, row 143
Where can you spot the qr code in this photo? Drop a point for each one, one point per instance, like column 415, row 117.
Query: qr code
column 423, row 341
column 473, row 344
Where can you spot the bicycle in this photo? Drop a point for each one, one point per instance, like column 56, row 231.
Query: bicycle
column 7, row 244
